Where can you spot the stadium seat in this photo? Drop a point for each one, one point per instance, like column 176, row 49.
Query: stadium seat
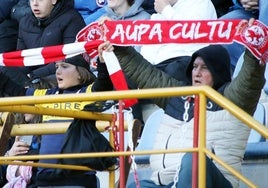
column 146, row 143
column 259, row 115
column 148, row 134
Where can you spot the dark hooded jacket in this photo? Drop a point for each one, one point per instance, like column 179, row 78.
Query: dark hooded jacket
column 60, row 27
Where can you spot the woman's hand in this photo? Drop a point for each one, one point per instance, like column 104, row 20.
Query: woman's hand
column 18, row 148
column 159, row 5
column 106, row 46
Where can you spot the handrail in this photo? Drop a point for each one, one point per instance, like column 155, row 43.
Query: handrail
column 51, row 128
column 18, row 104
column 56, row 112
column 12, row 104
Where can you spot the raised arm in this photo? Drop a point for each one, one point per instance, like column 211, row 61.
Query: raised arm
column 141, row 72
column 245, row 89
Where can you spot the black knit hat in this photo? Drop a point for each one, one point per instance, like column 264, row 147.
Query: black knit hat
column 78, row 60
column 217, row 60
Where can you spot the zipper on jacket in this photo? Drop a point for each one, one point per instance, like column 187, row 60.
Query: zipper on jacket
column 164, row 155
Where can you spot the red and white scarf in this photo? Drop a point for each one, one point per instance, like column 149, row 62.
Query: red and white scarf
column 143, row 32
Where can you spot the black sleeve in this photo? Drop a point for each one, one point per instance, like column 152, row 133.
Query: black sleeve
column 103, row 81
column 7, row 86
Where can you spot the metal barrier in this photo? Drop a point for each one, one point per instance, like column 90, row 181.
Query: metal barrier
column 20, row 104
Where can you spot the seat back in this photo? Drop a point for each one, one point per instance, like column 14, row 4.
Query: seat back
column 238, row 65
column 259, row 115
column 148, row 135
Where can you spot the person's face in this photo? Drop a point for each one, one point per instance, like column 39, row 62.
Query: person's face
column 201, row 74
column 67, row 75
column 42, row 8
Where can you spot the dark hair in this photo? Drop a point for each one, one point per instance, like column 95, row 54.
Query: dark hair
column 86, row 76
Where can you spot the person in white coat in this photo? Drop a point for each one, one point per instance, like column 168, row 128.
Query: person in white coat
column 172, row 58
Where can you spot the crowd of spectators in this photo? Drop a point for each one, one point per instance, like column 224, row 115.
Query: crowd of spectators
column 26, row 24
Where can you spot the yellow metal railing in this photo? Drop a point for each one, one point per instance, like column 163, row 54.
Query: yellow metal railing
column 19, row 104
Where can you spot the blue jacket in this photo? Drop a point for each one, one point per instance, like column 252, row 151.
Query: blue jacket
column 90, row 10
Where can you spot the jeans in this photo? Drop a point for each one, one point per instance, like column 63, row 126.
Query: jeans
column 214, row 177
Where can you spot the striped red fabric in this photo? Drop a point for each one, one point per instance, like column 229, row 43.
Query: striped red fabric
column 143, row 32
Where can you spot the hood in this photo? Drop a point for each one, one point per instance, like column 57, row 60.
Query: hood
column 217, row 60
column 131, row 12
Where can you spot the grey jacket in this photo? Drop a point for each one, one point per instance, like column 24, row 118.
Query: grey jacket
column 135, row 12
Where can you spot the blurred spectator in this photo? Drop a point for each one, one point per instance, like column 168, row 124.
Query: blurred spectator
column 148, row 6
column 90, row 10
column 245, row 9
column 10, row 14
column 126, row 10
column 18, row 146
column 222, row 6
column 173, row 58
column 6, row 8
column 16, row 175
